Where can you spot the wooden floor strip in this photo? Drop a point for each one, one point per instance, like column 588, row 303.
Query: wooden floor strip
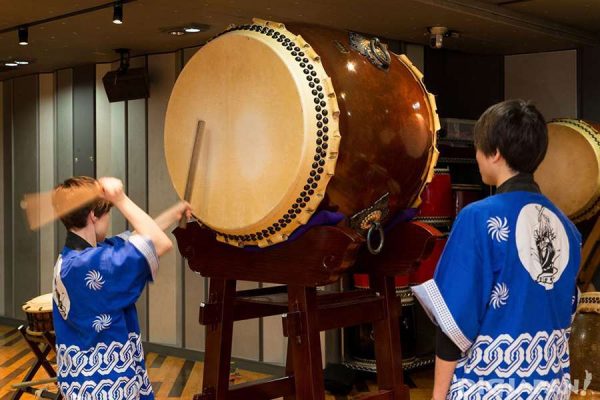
column 9, row 338
column 167, row 374
column 8, row 333
column 8, row 379
column 158, row 361
column 156, row 387
column 13, row 341
column 181, row 380
column 8, row 352
column 15, row 358
column 194, row 383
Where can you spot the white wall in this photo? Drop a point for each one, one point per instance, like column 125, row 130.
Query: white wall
column 548, row 79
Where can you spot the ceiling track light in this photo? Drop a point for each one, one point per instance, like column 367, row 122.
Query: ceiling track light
column 186, row 29
column 23, row 32
column 118, row 12
column 192, row 29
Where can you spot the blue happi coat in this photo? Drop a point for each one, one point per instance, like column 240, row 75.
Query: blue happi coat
column 504, row 292
column 98, row 345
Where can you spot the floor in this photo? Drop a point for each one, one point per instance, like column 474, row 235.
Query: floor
column 172, row 377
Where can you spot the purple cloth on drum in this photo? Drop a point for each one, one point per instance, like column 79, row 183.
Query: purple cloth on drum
column 402, row 216
column 321, row 218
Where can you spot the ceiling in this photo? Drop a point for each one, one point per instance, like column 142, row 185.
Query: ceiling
column 485, row 26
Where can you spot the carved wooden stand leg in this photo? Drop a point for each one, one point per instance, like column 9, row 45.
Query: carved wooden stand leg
column 388, row 352
column 217, row 314
column 304, row 335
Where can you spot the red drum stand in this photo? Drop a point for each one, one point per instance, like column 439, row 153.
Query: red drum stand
column 317, row 258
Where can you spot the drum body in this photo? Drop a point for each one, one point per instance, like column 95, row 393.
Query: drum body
column 437, row 206
column 585, row 395
column 417, row 332
column 569, row 175
column 39, row 313
column 584, row 343
column 426, row 268
column 296, row 118
column 362, row 341
column 466, row 194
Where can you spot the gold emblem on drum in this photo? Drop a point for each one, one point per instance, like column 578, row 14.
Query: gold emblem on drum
column 374, row 216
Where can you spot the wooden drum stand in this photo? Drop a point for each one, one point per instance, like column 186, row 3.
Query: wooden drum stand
column 319, row 257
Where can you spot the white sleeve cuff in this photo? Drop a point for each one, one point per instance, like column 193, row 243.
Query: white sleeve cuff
column 145, row 246
column 436, row 308
column 125, row 235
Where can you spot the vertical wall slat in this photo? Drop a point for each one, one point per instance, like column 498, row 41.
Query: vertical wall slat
column 84, row 132
column 137, row 165
column 103, row 125
column 2, row 186
column 164, row 293
column 246, row 333
column 8, row 198
column 26, row 245
column 64, row 137
column 47, row 173
column 274, row 343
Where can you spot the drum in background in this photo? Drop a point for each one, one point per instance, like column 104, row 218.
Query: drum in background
column 465, row 194
column 437, row 206
column 362, row 341
column 584, row 343
column 426, row 268
column 298, row 118
column 585, row 395
column 39, row 313
column 569, row 175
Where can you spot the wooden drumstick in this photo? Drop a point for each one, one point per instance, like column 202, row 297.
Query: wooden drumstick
column 40, row 210
column 189, row 185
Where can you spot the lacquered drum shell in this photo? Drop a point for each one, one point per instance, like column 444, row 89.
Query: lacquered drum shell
column 437, row 201
column 584, row 349
column 387, row 123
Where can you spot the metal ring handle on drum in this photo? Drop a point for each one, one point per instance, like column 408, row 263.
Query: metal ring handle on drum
column 383, row 55
column 376, row 226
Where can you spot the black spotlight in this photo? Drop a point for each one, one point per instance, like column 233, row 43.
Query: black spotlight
column 118, row 13
column 23, row 36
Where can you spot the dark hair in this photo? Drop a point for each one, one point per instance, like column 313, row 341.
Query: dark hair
column 517, row 130
column 78, row 218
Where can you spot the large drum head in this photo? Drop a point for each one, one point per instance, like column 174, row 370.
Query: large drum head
column 570, row 173
column 258, row 147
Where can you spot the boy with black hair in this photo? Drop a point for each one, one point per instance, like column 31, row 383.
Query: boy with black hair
column 97, row 281
column 504, row 290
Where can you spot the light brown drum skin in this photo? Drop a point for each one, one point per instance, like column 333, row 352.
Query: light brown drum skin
column 39, row 313
column 387, row 124
column 569, row 175
column 584, row 343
